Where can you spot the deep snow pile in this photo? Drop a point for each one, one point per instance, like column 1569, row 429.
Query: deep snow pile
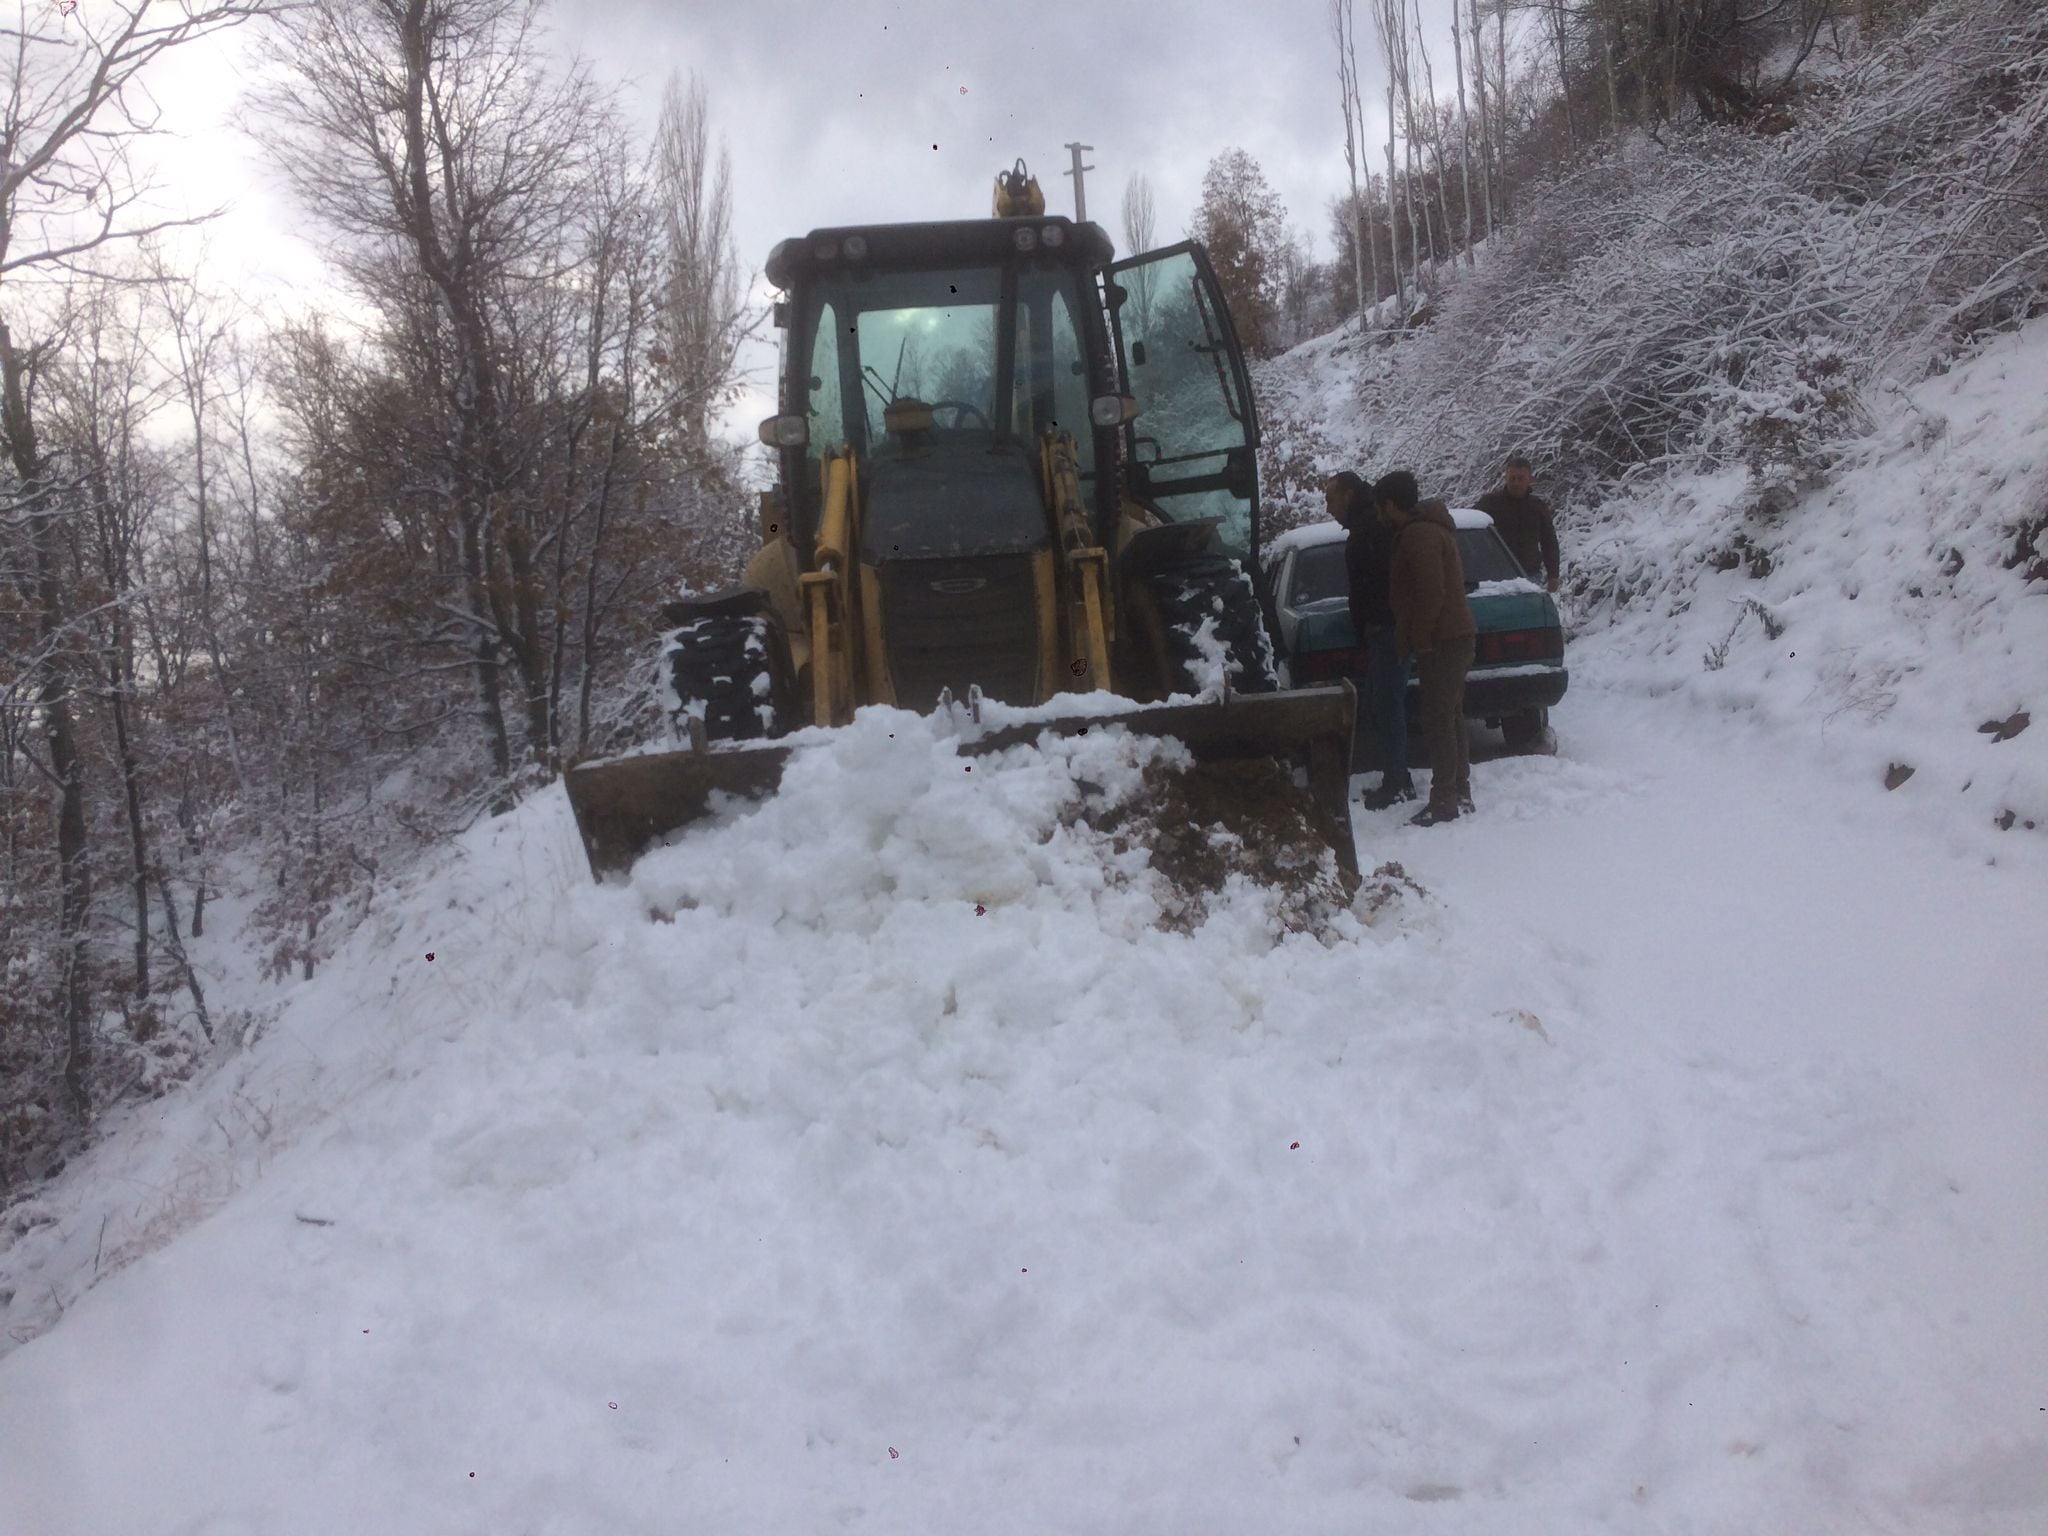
column 877, row 1158
column 886, row 819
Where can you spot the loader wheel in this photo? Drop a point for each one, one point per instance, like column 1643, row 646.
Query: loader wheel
column 733, row 672
column 1168, row 616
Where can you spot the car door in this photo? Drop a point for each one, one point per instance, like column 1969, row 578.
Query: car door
column 1192, row 450
column 1283, row 590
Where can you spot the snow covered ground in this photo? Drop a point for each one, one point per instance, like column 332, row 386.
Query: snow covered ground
column 1672, row 1161
column 1671, row 1155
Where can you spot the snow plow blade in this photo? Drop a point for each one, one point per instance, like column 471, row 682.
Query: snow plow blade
column 627, row 805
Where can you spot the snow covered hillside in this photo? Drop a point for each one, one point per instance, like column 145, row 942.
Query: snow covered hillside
column 1894, row 620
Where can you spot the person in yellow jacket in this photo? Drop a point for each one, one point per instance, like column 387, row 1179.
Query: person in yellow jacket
column 1433, row 623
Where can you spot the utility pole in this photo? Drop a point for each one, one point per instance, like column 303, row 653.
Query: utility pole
column 1080, row 198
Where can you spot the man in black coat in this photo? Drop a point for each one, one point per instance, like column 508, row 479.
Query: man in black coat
column 1368, row 559
column 1525, row 521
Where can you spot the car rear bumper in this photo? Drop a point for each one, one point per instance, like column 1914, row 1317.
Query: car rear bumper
column 1493, row 692
column 1490, row 692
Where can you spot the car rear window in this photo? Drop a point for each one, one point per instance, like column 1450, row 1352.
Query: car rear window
column 1486, row 557
column 1318, row 575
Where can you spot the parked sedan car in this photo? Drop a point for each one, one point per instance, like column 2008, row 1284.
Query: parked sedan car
column 1518, row 669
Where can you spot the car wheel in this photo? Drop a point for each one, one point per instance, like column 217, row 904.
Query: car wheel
column 1524, row 731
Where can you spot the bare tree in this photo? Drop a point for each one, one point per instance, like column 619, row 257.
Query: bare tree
column 1390, row 18
column 73, row 106
column 1298, row 282
column 1434, row 118
column 430, row 128
column 1343, row 27
column 1464, row 126
column 99, row 397
column 1500, row 97
column 703, row 319
column 197, row 332
column 1559, row 18
column 1401, row 305
column 1138, row 236
column 1138, row 214
column 1485, row 137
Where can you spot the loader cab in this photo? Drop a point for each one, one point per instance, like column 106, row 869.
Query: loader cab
column 1006, row 328
column 940, row 356
column 940, row 353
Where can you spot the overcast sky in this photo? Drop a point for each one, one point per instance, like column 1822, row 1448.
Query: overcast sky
column 875, row 110
column 881, row 109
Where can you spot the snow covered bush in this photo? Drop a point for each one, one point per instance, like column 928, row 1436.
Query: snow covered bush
column 1718, row 300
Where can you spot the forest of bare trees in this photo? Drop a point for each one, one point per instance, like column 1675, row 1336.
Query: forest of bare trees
column 1435, row 157
column 281, row 598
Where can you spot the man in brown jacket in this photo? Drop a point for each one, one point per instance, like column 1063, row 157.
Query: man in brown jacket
column 1432, row 623
column 1525, row 521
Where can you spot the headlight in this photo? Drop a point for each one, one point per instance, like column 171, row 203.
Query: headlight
column 856, row 247
column 825, row 250
column 1026, row 238
column 1053, row 235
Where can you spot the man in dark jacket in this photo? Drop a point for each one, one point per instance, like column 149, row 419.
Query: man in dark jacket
column 1368, row 561
column 1525, row 521
column 1433, row 623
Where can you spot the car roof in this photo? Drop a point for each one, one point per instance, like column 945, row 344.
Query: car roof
column 1328, row 531
column 1307, row 536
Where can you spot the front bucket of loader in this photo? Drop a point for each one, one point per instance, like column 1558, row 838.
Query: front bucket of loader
column 1298, row 726
column 626, row 805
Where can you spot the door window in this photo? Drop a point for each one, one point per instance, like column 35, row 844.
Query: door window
column 1051, row 386
column 1180, row 365
column 1485, row 556
column 1193, row 443
column 827, row 418
column 1319, row 575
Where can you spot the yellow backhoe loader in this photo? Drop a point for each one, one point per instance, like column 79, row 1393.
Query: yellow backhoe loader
column 1011, row 468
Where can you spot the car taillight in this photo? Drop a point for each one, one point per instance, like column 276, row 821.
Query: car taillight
column 1520, row 645
column 1322, row 666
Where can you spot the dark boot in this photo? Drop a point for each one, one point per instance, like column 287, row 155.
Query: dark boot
column 1392, row 791
column 1433, row 814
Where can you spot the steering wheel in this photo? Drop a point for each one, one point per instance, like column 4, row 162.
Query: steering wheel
column 961, row 409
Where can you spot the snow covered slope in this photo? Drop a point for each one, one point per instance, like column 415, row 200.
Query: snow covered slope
column 1888, row 617
column 1885, row 620
column 877, row 1160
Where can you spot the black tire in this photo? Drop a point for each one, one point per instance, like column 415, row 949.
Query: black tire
column 1523, row 732
column 1174, row 604
column 733, row 672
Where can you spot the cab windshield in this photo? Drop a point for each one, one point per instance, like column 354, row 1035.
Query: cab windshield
column 997, row 352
